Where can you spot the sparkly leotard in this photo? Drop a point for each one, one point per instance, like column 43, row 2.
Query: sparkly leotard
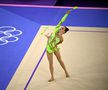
column 51, row 47
column 53, row 40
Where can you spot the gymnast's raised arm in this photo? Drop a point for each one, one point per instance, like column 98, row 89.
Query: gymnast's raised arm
column 61, row 21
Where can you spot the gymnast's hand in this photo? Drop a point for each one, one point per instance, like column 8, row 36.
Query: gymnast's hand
column 54, row 47
column 47, row 35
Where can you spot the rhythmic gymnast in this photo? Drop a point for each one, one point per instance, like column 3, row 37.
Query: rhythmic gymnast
column 54, row 40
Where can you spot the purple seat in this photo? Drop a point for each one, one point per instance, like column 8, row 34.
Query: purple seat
column 34, row 2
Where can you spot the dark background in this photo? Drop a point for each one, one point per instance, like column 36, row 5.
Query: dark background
column 83, row 3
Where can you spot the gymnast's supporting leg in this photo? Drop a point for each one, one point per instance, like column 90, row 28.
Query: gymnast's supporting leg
column 58, row 56
column 50, row 59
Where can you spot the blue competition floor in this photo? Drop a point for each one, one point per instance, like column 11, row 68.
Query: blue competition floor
column 28, row 20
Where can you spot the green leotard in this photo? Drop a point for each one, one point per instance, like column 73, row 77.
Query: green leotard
column 53, row 40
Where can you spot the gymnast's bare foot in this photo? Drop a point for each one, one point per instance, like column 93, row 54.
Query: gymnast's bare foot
column 50, row 80
column 67, row 76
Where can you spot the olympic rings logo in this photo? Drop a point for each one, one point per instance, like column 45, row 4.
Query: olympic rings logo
column 9, row 34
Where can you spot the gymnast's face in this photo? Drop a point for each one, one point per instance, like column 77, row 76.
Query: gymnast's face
column 62, row 30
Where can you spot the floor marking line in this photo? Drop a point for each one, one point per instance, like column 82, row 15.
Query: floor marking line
column 35, row 69
column 47, row 6
column 88, row 31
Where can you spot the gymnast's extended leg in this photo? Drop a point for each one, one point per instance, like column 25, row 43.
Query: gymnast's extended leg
column 58, row 56
column 50, row 59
